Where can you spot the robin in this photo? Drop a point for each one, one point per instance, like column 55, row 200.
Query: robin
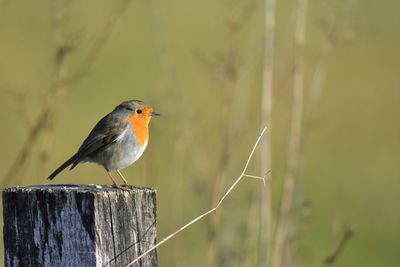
column 117, row 140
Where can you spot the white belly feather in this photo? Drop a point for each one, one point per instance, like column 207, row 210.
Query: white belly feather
column 123, row 152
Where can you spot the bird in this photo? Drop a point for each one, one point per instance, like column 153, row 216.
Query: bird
column 116, row 141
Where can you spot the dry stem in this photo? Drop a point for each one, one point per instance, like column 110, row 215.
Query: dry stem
column 294, row 136
column 265, row 145
column 243, row 174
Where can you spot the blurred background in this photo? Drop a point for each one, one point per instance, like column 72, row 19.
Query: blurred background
column 330, row 76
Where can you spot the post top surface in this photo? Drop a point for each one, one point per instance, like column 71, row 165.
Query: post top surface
column 77, row 188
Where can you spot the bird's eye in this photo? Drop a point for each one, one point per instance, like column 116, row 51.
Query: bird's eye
column 138, row 111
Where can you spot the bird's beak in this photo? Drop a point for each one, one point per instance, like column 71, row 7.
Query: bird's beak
column 155, row 113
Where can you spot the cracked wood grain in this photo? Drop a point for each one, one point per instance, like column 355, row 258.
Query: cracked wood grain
column 78, row 225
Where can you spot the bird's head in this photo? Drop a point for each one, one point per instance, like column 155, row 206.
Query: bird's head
column 137, row 111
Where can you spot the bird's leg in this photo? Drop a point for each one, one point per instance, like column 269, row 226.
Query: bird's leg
column 123, row 178
column 112, row 178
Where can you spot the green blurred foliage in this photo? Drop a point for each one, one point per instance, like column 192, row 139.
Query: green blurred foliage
column 199, row 63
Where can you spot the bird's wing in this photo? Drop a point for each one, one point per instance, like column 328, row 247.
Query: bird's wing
column 106, row 132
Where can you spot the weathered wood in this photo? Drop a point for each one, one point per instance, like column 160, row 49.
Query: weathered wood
column 78, row 225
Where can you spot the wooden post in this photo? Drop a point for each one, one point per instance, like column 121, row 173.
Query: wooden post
column 78, row 225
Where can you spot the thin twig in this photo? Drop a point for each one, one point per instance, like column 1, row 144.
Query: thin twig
column 206, row 213
column 254, row 176
column 263, row 178
column 294, row 135
column 332, row 258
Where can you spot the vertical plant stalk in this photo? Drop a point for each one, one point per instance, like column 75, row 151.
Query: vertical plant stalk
column 294, row 135
column 265, row 145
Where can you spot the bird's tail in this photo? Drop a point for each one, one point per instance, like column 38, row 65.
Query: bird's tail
column 62, row 167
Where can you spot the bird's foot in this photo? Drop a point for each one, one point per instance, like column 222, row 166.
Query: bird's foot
column 119, row 187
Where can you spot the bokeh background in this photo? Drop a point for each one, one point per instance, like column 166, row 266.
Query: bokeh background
column 65, row 63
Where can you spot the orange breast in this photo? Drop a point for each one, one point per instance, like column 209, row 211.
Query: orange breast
column 140, row 126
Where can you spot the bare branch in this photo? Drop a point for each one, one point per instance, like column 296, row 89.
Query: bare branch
column 244, row 169
column 206, row 213
column 254, row 176
column 332, row 258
